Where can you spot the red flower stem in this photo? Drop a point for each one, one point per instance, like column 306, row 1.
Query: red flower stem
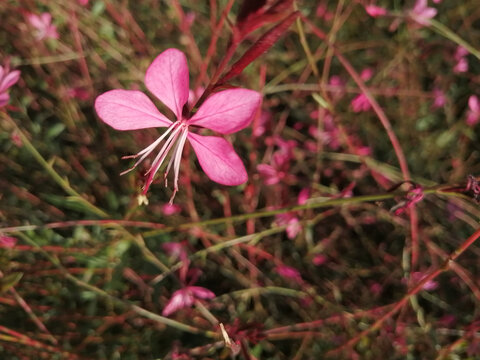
column 415, row 290
column 195, row 52
column 390, row 133
column 212, row 47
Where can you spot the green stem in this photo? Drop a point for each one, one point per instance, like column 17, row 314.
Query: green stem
column 122, row 303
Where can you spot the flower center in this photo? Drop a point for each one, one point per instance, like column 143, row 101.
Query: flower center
column 177, row 135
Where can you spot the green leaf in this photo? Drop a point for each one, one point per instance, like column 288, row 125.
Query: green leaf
column 9, row 281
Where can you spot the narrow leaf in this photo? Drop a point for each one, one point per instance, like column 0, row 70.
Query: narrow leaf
column 9, row 281
column 261, row 46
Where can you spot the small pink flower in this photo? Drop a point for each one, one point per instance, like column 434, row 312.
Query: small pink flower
column 43, row 26
column 360, row 103
column 7, row 80
column 293, row 226
column 421, row 13
column 428, row 286
column 175, row 250
column 323, row 13
column 319, row 259
column 366, row 74
column 83, row 2
column 375, row 11
column 439, row 99
column 171, row 209
column 303, row 196
column 473, row 114
column 225, row 112
column 7, row 241
column 460, row 57
column 78, row 93
column 288, row 272
column 185, row 297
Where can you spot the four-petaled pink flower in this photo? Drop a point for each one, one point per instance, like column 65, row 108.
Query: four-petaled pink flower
column 473, row 114
column 421, row 13
column 225, row 112
column 7, row 79
column 43, row 26
column 185, row 298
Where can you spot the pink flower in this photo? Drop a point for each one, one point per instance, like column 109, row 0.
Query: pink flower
column 460, row 57
column 473, row 114
column 7, row 241
column 170, row 209
column 185, row 298
column 375, row 11
column 360, row 103
column 43, row 25
column 439, row 98
column 428, row 286
column 288, row 272
column 7, row 80
column 303, row 196
column 293, row 226
column 366, row 74
column 225, row 112
column 78, row 93
column 83, row 2
column 421, row 13
column 319, row 259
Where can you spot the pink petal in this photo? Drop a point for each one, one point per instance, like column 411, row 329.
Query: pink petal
column 473, row 103
column 428, row 13
column 179, row 300
column 7, row 241
column 46, row 18
column 4, row 99
column 227, row 111
column 10, row 79
column 129, row 110
column 201, row 292
column 35, row 21
column 2, row 72
column 218, row 159
column 167, row 79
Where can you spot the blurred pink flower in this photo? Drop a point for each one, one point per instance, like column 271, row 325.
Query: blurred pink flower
column 7, row 241
column 83, row 2
column 473, row 114
column 171, row 209
column 323, row 13
column 460, row 57
column 303, row 196
column 360, row 103
column 7, row 80
column 375, row 11
column 260, row 126
column 225, row 112
column 293, row 226
column 421, row 13
column 43, row 26
column 175, row 250
column 428, row 286
column 439, row 98
column 366, row 74
column 288, row 272
column 78, row 93
column 319, row 259
column 185, row 298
